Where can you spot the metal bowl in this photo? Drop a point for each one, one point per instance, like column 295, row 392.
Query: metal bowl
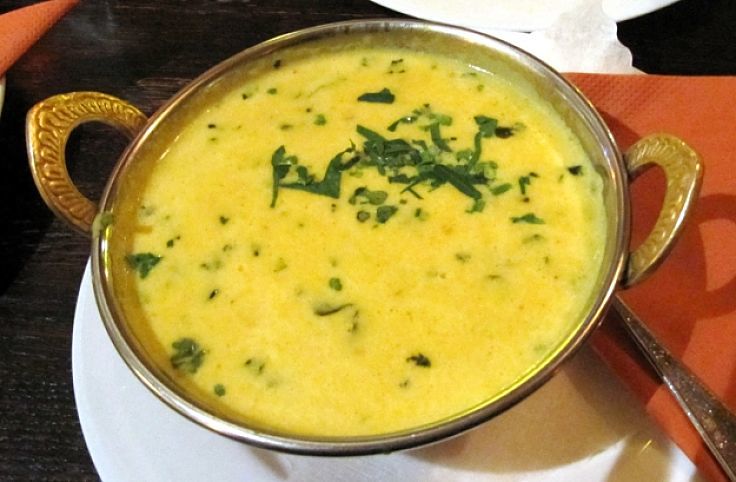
column 51, row 121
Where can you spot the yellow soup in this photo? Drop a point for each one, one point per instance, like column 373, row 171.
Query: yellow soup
column 360, row 242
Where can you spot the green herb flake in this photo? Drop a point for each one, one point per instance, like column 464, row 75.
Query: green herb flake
column 504, row 132
column 575, row 170
column 363, row 195
column 420, row 360
column 384, row 213
column 462, row 181
column 224, row 220
column 277, row 64
column 272, row 91
column 188, row 355
column 329, row 185
column 280, row 265
column 220, row 390
column 524, row 181
column 528, row 218
column 500, row 189
column 363, row 216
column 255, row 365
column 462, row 257
column 170, row 243
column 143, row 263
column 397, row 67
column 384, row 96
column 437, row 140
column 211, row 126
column 102, row 221
column 477, row 207
column 326, row 309
column 214, row 293
column 320, row 120
column 335, row 284
column 534, row 238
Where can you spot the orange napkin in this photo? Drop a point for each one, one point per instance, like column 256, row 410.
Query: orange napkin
column 21, row 28
column 690, row 301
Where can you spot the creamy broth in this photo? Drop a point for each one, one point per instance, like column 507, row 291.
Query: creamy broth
column 360, row 242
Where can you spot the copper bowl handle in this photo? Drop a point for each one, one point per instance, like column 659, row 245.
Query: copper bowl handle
column 684, row 171
column 48, row 126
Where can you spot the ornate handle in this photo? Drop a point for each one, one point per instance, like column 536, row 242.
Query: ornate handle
column 684, row 172
column 48, row 126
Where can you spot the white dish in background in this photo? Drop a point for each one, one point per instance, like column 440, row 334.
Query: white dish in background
column 520, row 15
column 2, row 93
column 581, row 426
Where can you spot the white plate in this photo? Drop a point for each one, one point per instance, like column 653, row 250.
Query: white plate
column 581, row 426
column 522, row 15
column 2, row 93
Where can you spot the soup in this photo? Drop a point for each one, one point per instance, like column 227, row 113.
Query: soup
column 359, row 242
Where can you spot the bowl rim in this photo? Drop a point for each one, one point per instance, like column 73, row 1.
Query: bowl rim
column 410, row 438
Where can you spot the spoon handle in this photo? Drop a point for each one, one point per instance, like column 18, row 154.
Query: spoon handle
column 712, row 419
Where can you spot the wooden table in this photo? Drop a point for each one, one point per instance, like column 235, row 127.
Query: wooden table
column 144, row 52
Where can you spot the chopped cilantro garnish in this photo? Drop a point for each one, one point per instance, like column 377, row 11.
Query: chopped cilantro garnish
column 328, row 186
column 363, row 195
column 459, row 179
column 384, row 213
column 320, row 120
column 420, row 360
column 529, row 218
column 256, row 365
column 219, row 390
column 500, row 189
column 272, row 91
column 143, row 262
column 188, row 355
column 407, row 119
column 384, row 96
column 575, row 170
column 224, row 220
column 335, row 284
column 437, row 140
column 478, row 206
column 214, row 293
column 525, row 181
column 363, row 216
column 325, row 309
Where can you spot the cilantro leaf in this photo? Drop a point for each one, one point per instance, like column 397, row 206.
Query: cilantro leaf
column 188, row 355
column 420, row 360
column 143, row 262
column 462, row 183
column 384, row 213
column 528, row 218
column 384, row 96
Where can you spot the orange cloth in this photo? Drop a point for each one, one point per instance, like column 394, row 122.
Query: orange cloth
column 21, row 28
column 690, row 301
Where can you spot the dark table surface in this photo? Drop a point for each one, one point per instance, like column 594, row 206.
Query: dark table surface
column 144, row 51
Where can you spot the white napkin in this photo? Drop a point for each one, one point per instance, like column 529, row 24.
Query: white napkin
column 582, row 39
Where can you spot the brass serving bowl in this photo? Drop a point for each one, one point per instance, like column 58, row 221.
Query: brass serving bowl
column 50, row 122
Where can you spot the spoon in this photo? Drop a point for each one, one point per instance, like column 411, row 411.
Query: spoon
column 715, row 423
